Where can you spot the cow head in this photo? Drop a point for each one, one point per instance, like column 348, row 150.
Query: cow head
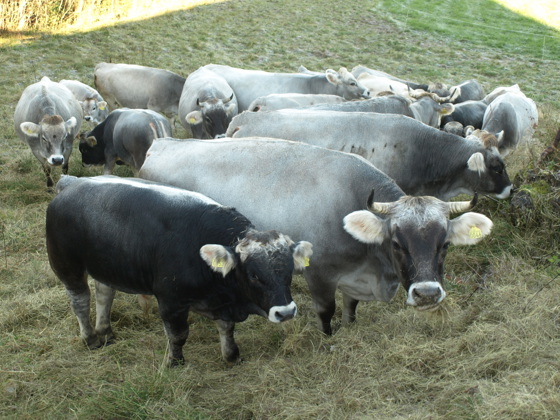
column 486, row 170
column 263, row 264
column 92, row 150
column 55, row 137
column 346, row 84
column 417, row 232
column 94, row 111
column 214, row 115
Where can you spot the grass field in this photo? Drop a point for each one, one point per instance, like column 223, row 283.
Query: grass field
column 491, row 353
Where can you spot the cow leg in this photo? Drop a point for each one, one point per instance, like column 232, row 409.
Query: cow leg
column 349, row 309
column 177, row 331
column 323, row 296
column 47, row 171
column 230, row 351
column 104, row 296
column 79, row 301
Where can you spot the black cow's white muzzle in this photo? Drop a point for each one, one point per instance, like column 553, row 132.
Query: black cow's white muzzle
column 282, row 313
column 425, row 295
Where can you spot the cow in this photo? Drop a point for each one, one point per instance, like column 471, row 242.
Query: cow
column 310, row 191
column 276, row 101
column 134, row 86
column 378, row 81
column 515, row 115
column 467, row 113
column 251, row 84
column 124, row 136
column 469, row 90
column 94, row 107
column 422, row 160
column 48, row 117
column 207, row 104
column 187, row 250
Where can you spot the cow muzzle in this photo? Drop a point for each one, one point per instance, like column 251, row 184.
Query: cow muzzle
column 425, row 295
column 55, row 160
column 282, row 313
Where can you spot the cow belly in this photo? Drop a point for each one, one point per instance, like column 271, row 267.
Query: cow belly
column 363, row 284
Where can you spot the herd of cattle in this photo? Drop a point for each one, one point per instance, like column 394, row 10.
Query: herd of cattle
column 299, row 153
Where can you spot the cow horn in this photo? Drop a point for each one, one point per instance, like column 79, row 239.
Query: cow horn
column 227, row 100
column 381, row 208
column 462, row 206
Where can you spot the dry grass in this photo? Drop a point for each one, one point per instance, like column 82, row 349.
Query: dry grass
column 490, row 353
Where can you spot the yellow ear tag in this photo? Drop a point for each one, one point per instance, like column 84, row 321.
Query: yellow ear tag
column 102, row 108
column 192, row 120
column 217, row 264
column 306, row 262
column 475, row 233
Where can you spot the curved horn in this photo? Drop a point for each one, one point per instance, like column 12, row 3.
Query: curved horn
column 381, row 208
column 229, row 99
column 462, row 206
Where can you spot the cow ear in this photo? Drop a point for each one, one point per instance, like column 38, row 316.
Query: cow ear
column 102, row 105
column 30, row 129
column 71, row 123
column 365, row 226
column 194, row 117
column 333, row 77
column 469, row 228
column 302, row 251
column 219, row 258
column 476, row 163
column 91, row 141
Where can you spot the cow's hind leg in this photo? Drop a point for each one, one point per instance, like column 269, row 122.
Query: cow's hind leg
column 349, row 309
column 104, row 296
column 177, row 331
column 230, row 351
column 79, row 295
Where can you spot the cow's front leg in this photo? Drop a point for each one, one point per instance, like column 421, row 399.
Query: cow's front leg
column 47, row 171
column 230, row 351
column 177, row 330
column 104, row 296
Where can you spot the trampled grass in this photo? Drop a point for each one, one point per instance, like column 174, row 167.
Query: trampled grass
column 490, row 353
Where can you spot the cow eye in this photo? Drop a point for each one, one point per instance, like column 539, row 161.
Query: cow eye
column 499, row 169
column 352, row 83
column 396, row 246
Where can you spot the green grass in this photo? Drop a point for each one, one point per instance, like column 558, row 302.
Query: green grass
column 491, row 353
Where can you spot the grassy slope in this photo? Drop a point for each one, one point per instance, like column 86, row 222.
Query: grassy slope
column 491, row 354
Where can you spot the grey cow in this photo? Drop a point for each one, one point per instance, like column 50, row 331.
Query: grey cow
column 422, row 160
column 94, row 107
column 134, row 86
column 516, row 115
column 251, row 84
column 322, row 194
column 207, row 104
column 292, row 100
column 425, row 109
column 48, row 118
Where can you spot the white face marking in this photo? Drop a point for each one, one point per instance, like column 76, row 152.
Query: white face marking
column 282, row 313
column 163, row 189
column 505, row 193
column 426, row 285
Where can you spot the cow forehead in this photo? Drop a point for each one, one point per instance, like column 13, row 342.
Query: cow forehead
column 262, row 243
column 419, row 211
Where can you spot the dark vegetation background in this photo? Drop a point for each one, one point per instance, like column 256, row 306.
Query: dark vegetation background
column 492, row 352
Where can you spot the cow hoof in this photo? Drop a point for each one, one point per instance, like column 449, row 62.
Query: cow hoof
column 174, row 363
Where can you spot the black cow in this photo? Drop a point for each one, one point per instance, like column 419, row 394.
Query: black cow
column 125, row 135
column 467, row 113
column 189, row 251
